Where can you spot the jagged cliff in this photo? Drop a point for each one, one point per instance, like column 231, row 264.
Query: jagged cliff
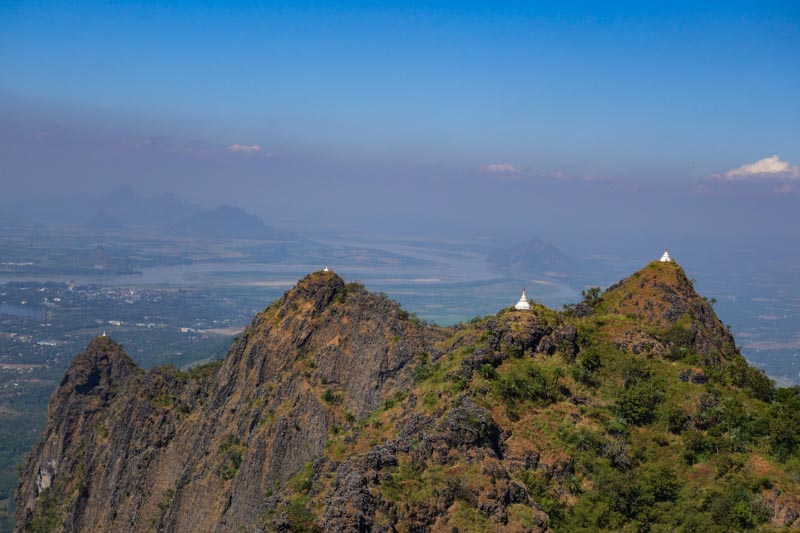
column 125, row 449
column 335, row 410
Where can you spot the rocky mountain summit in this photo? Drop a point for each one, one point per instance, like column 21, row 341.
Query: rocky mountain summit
column 336, row 410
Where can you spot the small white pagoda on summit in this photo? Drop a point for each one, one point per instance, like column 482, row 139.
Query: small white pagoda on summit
column 666, row 258
column 523, row 304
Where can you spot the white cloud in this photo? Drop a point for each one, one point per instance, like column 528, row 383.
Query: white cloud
column 769, row 168
column 245, row 149
column 500, row 168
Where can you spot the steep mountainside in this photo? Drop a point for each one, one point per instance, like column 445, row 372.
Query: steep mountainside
column 336, row 410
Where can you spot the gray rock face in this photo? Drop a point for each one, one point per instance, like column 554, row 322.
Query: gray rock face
column 467, row 426
column 465, row 430
column 124, row 448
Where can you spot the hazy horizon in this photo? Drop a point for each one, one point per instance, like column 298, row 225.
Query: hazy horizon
column 579, row 124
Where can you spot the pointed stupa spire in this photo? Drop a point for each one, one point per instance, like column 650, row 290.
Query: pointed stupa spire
column 523, row 304
column 326, row 269
column 666, row 258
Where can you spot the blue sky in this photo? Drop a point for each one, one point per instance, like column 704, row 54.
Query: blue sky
column 393, row 97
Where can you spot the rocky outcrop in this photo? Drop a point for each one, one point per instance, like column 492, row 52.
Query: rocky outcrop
column 666, row 315
column 784, row 508
column 359, row 501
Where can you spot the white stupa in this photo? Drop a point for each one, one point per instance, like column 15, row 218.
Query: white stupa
column 665, row 258
column 523, row 304
column 326, row 269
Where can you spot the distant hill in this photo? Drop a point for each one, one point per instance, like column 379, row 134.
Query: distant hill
column 533, row 256
column 99, row 260
column 223, row 222
column 121, row 207
column 124, row 205
column 103, row 221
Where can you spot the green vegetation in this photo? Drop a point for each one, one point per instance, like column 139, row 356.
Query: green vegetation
column 163, row 505
column 591, row 297
column 231, row 452
column 784, row 423
column 303, row 479
column 424, row 369
column 46, row 517
column 350, row 288
column 298, row 517
column 414, row 482
column 526, row 380
column 295, row 508
column 204, row 371
column 329, row 396
column 390, row 403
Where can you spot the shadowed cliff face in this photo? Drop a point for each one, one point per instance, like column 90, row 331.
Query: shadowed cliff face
column 78, row 407
column 335, row 410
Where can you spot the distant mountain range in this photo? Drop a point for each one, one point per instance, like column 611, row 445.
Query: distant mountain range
column 223, row 222
column 125, row 206
column 121, row 207
column 533, row 256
